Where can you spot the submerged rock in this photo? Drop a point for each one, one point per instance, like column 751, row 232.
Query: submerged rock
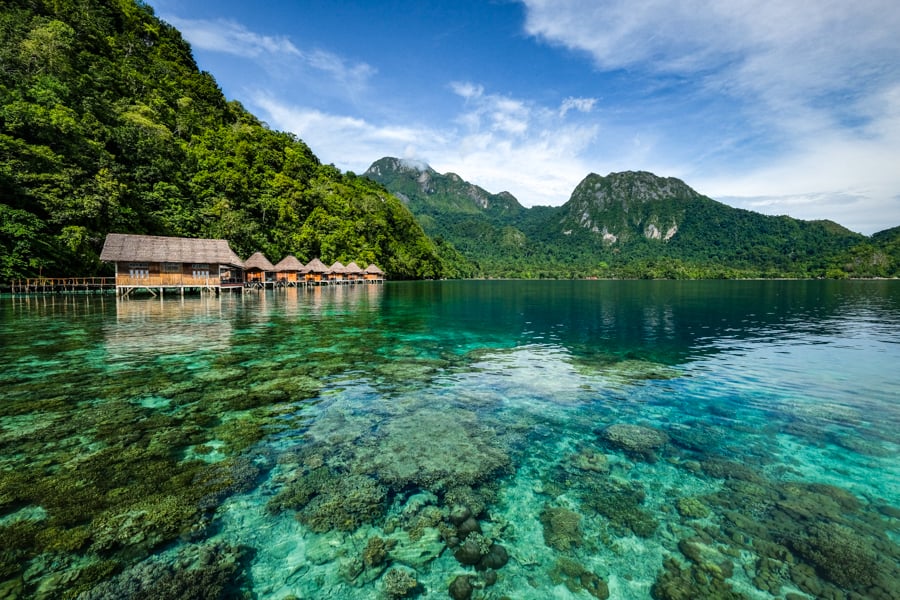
column 461, row 588
column 496, row 558
column 471, row 551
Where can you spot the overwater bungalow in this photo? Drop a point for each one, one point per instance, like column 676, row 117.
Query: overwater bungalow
column 335, row 273
column 353, row 273
column 289, row 271
column 315, row 271
column 373, row 274
column 258, row 270
column 156, row 263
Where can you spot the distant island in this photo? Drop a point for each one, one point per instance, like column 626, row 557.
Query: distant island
column 108, row 125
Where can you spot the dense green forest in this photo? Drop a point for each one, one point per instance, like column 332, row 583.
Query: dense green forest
column 107, row 125
column 629, row 225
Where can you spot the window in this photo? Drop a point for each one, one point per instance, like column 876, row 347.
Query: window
column 139, row 270
column 171, row 268
column 200, row 271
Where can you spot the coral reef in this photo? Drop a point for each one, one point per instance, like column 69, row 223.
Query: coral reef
column 691, row 508
column 562, row 528
column 675, row 582
column 578, row 579
column 399, row 583
column 838, row 554
column 620, row 502
column 207, row 572
column 588, row 459
column 352, row 501
column 637, row 441
column 433, row 450
column 376, row 551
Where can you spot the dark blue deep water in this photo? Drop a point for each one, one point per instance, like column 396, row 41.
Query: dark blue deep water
column 479, row 440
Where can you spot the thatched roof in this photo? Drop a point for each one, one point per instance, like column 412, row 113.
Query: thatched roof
column 336, row 268
column 290, row 263
column 316, row 266
column 353, row 269
column 373, row 270
column 258, row 260
column 122, row 247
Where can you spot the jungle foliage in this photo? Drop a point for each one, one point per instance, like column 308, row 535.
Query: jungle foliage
column 107, row 125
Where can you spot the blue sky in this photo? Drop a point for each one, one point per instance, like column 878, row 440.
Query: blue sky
column 783, row 107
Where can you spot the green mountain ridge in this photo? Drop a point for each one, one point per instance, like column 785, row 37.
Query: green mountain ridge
column 107, row 125
column 629, row 224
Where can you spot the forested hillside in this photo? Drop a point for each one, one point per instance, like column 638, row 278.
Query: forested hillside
column 107, row 125
column 629, row 225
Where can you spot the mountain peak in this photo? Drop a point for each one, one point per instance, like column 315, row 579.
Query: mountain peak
column 424, row 187
column 390, row 164
column 627, row 204
column 632, row 186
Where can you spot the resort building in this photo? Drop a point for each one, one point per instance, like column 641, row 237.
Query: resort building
column 335, row 273
column 315, row 271
column 258, row 271
column 373, row 274
column 289, row 271
column 353, row 273
column 156, row 263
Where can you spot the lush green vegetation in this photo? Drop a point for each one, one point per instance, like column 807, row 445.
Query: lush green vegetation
column 616, row 227
column 107, row 124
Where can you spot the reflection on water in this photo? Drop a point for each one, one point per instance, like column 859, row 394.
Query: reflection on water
column 477, row 439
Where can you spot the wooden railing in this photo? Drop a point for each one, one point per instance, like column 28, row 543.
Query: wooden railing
column 61, row 284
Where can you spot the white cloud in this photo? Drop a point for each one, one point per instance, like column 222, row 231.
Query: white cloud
column 276, row 53
column 232, row 38
column 499, row 143
column 584, row 105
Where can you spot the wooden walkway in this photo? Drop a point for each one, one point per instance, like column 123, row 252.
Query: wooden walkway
column 63, row 285
column 99, row 285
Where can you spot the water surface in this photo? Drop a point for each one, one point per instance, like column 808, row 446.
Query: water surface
column 485, row 439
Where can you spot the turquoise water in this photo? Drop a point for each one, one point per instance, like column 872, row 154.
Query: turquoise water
column 455, row 439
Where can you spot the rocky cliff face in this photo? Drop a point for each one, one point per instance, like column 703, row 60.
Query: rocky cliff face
column 621, row 206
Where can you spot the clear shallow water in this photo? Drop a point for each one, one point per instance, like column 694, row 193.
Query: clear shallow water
column 635, row 439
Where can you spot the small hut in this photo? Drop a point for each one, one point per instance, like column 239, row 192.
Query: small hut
column 150, row 261
column 288, row 270
column 353, row 272
column 315, row 271
column 258, row 269
column 335, row 273
column 373, row 274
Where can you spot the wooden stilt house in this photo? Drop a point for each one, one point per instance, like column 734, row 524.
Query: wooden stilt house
column 289, row 271
column 315, row 271
column 373, row 274
column 259, row 271
column 335, row 273
column 353, row 273
column 156, row 263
